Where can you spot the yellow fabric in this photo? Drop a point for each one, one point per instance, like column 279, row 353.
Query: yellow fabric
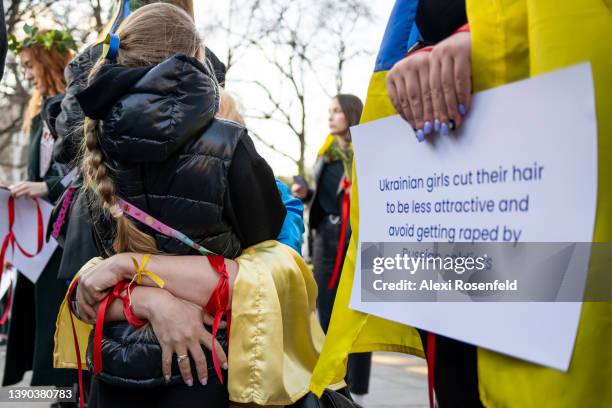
column 64, row 353
column 275, row 334
column 513, row 39
column 351, row 331
column 102, row 35
column 328, row 142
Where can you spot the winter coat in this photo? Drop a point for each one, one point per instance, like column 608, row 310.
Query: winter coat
column 69, row 124
column 170, row 157
column 168, row 154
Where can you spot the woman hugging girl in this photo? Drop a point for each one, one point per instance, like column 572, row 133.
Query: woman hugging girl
column 164, row 177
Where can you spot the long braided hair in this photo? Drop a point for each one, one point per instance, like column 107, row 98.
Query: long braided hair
column 140, row 45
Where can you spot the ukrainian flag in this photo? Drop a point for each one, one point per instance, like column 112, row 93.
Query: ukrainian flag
column 516, row 39
column 511, row 40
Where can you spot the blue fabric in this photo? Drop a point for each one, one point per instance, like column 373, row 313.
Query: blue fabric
column 113, row 46
column 124, row 12
column 293, row 226
column 401, row 34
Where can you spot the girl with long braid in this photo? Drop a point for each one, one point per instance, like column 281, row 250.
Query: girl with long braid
column 165, row 177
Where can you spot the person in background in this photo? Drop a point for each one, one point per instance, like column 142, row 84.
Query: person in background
column 30, row 341
column 328, row 220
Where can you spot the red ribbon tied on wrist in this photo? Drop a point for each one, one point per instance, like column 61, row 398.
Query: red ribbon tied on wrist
column 219, row 305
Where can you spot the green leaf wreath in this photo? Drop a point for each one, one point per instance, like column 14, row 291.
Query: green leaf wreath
column 62, row 40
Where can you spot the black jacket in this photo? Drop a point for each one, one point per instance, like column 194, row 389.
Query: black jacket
column 170, row 156
column 69, row 124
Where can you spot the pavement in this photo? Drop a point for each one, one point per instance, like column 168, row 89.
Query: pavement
column 397, row 380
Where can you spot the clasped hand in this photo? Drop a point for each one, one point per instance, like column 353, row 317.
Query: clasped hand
column 433, row 90
column 176, row 323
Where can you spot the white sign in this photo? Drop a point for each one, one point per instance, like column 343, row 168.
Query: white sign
column 523, row 168
column 25, row 229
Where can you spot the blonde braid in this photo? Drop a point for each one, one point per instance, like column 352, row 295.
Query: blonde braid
column 139, row 46
column 128, row 237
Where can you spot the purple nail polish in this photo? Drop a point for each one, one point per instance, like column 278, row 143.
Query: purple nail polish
column 444, row 129
column 462, row 109
column 420, row 135
column 437, row 125
column 427, row 128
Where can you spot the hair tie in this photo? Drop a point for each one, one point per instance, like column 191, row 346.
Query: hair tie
column 113, row 43
column 116, row 211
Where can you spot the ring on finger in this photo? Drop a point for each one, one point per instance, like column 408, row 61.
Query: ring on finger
column 182, row 357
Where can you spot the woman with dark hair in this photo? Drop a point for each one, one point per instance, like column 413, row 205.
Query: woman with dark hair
column 328, row 219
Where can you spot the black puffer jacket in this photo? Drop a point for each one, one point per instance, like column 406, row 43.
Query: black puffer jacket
column 168, row 154
column 171, row 158
column 69, row 124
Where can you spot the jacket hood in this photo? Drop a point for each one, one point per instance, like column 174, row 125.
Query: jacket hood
column 148, row 113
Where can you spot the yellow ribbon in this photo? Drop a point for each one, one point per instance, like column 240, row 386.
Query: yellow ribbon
column 142, row 271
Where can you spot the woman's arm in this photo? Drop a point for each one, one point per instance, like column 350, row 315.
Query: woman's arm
column 190, row 278
column 177, row 324
column 256, row 212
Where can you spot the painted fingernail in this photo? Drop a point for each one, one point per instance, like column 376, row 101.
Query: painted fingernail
column 462, row 109
column 189, row 382
column 167, row 377
column 427, row 128
column 444, row 129
column 420, row 135
column 224, row 366
column 451, row 124
column 437, row 125
column 204, row 381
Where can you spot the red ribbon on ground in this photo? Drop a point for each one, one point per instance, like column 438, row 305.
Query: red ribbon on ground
column 346, row 212
column 218, row 305
column 11, row 240
column 431, row 363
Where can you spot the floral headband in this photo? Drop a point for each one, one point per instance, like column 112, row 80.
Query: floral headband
column 62, row 40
